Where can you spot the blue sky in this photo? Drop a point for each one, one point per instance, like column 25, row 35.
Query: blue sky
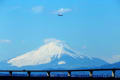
column 91, row 26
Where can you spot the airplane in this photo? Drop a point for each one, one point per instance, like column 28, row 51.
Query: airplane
column 60, row 14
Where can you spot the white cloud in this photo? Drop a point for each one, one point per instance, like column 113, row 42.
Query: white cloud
column 14, row 7
column 62, row 10
column 37, row 9
column 84, row 47
column 61, row 62
column 22, row 41
column 113, row 59
column 51, row 40
column 5, row 41
column 116, row 58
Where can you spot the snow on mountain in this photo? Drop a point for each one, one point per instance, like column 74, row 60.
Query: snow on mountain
column 43, row 55
column 61, row 62
column 54, row 52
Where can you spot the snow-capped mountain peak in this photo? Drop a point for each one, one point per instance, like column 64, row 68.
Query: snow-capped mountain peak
column 54, row 54
column 51, row 49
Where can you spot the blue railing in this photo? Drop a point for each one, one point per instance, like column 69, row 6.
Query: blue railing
column 48, row 72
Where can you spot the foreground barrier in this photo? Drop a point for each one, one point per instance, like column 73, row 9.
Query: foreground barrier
column 68, row 71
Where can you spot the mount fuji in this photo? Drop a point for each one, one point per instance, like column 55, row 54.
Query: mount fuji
column 54, row 54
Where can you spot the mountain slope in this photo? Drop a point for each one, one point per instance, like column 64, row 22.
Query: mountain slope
column 54, row 54
column 114, row 65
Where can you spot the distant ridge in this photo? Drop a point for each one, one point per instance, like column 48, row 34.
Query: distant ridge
column 54, row 54
column 113, row 65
